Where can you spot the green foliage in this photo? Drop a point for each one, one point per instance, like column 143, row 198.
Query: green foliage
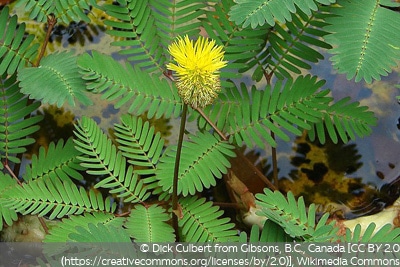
column 98, row 233
column 294, row 218
column 204, row 159
column 258, row 12
column 63, row 10
column 281, row 50
column 294, row 106
column 135, row 165
column 147, row 27
column 61, row 231
column 149, row 224
column 291, row 45
column 346, row 120
column 240, row 50
column 139, row 142
column 201, row 222
column 362, row 34
column 105, row 75
column 141, row 146
column 16, row 50
column 54, row 83
column 7, row 215
column 101, row 158
column 58, row 161
column 271, row 232
column 44, row 195
column 14, row 127
column 370, row 235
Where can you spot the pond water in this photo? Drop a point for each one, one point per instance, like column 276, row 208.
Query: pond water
column 364, row 167
column 381, row 150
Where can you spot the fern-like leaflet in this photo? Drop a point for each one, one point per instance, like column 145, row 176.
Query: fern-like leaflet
column 241, row 46
column 385, row 234
column 147, row 27
column 345, row 119
column 292, row 216
column 14, row 127
column 88, row 235
column 95, row 233
column 292, row 44
column 64, row 10
column 270, row 232
column 281, row 50
column 144, row 92
column 61, row 231
column 363, row 40
column 135, row 24
column 149, row 224
column 204, row 157
column 295, row 106
column 53, row 82
column 201, row 222
column 58, row 161
column 141, row 146
column 55, row 197
column 283, row 106
column 100, row 157
column 174, row 18
column 258, row 12
column 16, row 50
column 7, row 215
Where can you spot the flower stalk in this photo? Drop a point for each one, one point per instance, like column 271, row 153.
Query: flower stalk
column 198, row 82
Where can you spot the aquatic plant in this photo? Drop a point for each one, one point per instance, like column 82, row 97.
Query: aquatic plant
column 274, row 41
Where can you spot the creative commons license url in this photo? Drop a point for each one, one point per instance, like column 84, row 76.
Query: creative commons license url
column 203, row 262
column 287, row 261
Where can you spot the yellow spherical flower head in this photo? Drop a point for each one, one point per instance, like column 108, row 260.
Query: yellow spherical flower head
column 197, row 70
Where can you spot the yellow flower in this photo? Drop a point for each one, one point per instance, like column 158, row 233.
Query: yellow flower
column 197, row 70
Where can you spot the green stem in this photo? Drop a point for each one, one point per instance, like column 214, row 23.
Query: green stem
column 176, row 172
column 275, row 163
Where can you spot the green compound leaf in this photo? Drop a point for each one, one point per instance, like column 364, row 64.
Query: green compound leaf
column 100, row 157
column 61, row 231
column 256, row 13
column 129, row 85
column 292, row 106
column 149, row 224
column 16, row 49
column 201, row 222
column 54, row 197
column 58, row 161
column 7, row 215
column 370, row 234
column 56, row 80
column 99, row 232
column 344, row 120
column 145, row 28
column 365, row 46
column 63, row 10
column 294, row 218
column 270, row 232
column 141, row 146
column 15, row 126
column 203, row 158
